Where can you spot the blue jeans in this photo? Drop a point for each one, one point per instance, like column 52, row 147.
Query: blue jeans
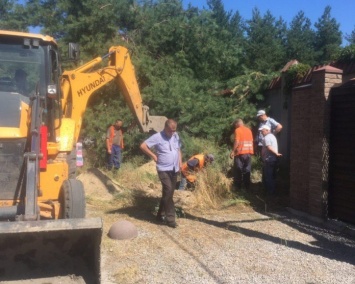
column 114, row 158
column 183, row 183
column 269, row 176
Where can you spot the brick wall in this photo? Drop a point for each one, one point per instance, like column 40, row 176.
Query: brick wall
column 309, row 142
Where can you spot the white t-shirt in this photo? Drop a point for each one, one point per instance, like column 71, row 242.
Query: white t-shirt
column 269, row 140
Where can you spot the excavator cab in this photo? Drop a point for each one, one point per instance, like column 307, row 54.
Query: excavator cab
column 22, row 73
column 43, row 229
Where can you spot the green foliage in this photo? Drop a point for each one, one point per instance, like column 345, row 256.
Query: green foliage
column 347, row 53
column 300, row 40
column 328, row 37
column 92, row 23
column 194, row 145
column 13, row 16
column 249, row 86
column 102, row 112
column 296, row 71
column 351, row 37
column 202, row 67
column 265, row 42
column 235, row 200
column 186, row 39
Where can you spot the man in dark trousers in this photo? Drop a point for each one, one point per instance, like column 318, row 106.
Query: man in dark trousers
column 269, row 154
column 167, row 155
column 241, row 153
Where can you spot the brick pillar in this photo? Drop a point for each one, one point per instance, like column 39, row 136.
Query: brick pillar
column 299, row 160
column 310, row 142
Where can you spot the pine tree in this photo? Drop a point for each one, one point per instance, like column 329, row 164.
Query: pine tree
column 13, row 16
column 351, row 37
column 300, row 40
column 92, row 23
column 328, row 37
column 265, row 48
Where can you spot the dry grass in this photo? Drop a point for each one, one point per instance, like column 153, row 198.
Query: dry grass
column 145, row 173
column 131, row 177
column 256, row 176
column 211, row 189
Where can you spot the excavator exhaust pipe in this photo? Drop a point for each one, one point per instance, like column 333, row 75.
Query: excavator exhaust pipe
column 67, row 249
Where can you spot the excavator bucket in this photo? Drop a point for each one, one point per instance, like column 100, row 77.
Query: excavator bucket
column 51, row 251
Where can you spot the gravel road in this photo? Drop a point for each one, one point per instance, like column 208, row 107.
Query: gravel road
column 238, row 244
column 232, row 247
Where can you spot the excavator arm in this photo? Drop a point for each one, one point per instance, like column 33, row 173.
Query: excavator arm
column 78, row 85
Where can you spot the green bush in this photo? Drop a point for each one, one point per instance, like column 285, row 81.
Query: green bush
column 193, row 145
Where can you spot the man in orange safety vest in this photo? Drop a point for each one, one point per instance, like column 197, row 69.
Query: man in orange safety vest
column 190, row 168
column 115, row 145
column 241, row 153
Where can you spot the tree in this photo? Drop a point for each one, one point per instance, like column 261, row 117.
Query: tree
column 92, row 23
column 218, row 13
column 228, row 21
column 328, row 37
column 265, row 49
column 13, row 16
column 351, row 37
column 191, row 39
column 201, row 67
column 236, row 27
column 300, row 40
column 347, row 53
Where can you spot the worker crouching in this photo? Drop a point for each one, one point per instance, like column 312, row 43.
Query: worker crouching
column 190, row 169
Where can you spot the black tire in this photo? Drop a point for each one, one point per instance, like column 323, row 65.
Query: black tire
column 71, row 160
column 73, row 199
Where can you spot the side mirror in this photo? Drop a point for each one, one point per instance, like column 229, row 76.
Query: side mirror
column 73, row 51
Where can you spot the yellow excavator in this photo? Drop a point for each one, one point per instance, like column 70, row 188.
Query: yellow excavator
column 43, row 229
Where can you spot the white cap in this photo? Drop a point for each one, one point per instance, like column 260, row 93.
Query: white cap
column 267, row 127
column 260, row 112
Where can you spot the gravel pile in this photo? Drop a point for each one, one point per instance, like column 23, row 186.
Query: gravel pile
column 232, row 246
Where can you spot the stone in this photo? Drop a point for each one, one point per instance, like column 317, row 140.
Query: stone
column 123, row 230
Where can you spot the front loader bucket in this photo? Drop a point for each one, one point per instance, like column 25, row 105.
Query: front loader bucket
column 67, row 249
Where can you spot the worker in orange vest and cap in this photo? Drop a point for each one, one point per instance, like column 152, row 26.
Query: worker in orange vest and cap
column 190, row 168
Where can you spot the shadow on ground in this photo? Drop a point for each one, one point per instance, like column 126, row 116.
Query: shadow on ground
column 104, row 179
column 144, row 207
column 329, row 243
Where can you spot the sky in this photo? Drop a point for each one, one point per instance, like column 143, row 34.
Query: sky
column 342, row 10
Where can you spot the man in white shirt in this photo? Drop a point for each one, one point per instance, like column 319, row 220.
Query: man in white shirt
column 269, row 154
column 275, row 127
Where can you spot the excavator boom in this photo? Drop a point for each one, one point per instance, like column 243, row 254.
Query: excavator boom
column 82, row 82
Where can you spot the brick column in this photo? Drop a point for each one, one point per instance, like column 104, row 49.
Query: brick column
column 310, row 142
